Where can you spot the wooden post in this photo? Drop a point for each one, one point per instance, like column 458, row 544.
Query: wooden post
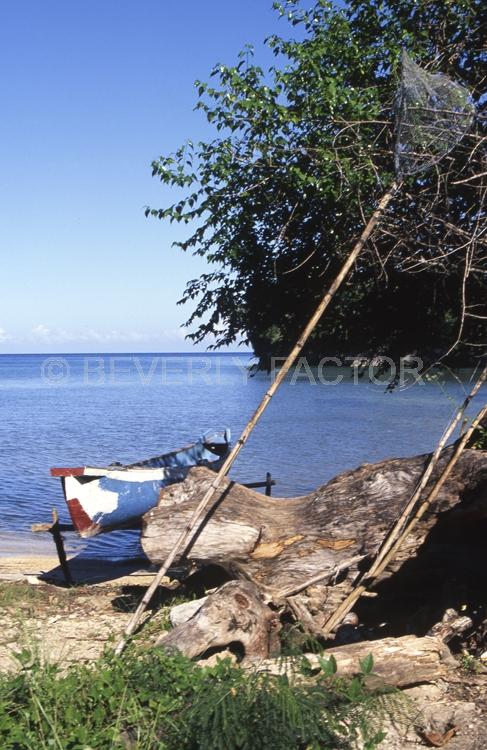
column 58, row 541
column 268, row 484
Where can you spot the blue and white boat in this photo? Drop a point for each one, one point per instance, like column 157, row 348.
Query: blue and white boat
column 116, row 496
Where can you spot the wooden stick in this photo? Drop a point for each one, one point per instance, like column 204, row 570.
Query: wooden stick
column 319, row 577
column 406, row 522
column 269, row 483
column 194, row 524
column 55, row 530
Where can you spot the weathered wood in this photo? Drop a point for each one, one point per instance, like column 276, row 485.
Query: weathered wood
column 401, row 662
column 234, row 614
column 61, row 552
column 37, row 528
column 183, row 612
column 55, row 528
column 452, row 625
column 268, row 484
column 280, row 543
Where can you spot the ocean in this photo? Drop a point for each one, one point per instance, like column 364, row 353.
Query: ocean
column 76, row 409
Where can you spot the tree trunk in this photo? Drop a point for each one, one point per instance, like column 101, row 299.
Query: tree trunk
column 285, row 545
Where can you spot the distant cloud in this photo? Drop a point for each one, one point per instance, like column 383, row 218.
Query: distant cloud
column 4, row 336
column 44, row 338
column 43, row 333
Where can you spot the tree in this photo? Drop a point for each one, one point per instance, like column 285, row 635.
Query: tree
column 301, row 153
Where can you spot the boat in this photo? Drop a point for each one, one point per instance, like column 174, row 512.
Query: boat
column 101, row 499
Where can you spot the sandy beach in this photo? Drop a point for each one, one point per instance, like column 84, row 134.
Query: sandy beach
column 65, row 624
column 28, row 556
column 24, row 555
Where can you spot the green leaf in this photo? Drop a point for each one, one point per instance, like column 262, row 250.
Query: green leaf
column 328, row 666
column 367, row 664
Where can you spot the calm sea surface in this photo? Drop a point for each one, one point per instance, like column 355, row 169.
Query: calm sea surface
column 69, row 410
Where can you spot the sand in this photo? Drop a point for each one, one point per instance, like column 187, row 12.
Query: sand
column 63, row 624
column 28, row 556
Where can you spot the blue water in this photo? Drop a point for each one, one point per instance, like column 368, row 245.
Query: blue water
column 70, row 410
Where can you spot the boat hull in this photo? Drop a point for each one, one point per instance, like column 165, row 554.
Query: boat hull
column 105, row 503
column 115, row 497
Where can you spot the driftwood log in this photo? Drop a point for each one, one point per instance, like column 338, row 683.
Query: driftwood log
column 401, row 662
column 315, row 544
column 235, row 615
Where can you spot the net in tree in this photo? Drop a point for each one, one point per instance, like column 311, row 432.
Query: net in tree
column 433, row 113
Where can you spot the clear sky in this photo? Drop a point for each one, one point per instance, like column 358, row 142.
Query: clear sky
column 90, row 92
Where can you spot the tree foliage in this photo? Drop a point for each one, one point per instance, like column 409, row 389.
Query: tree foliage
column 301, row 153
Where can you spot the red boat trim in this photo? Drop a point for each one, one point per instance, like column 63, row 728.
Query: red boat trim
column 64, row 472
column 81, row 520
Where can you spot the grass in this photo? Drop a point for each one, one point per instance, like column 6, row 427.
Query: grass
column 20, row 595
column 470, row 664
column 25, row 597
column 150, row 700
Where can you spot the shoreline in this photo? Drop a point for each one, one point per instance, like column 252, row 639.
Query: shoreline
column 32, row 557
column 27, row 544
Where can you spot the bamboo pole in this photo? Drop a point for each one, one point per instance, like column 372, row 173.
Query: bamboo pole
column 193, row 526
column 412, row 513
column 396, row 529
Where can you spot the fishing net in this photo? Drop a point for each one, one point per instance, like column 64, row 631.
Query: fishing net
column 432, row 115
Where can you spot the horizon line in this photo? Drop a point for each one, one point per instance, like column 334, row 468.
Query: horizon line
column 124, row 353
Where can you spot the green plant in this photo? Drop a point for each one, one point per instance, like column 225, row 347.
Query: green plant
column 470, row 664
column 150, row 700
column 19, row 595
column 479, row 438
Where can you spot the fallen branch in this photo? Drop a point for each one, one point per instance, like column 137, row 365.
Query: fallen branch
column 327, row 575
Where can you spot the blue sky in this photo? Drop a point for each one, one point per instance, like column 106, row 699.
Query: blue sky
column 91, row 91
